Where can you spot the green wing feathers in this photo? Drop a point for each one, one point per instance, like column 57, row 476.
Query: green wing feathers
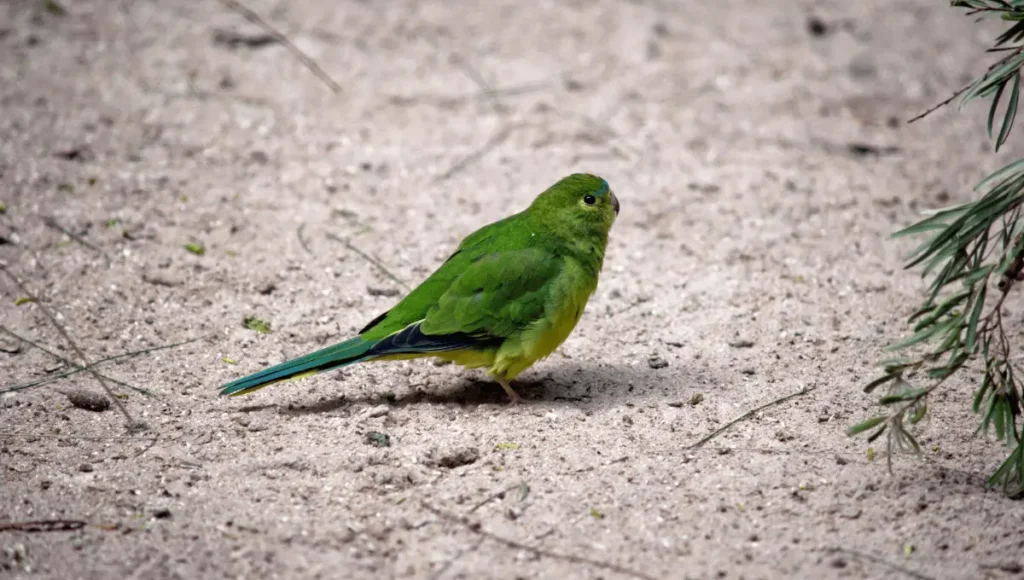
column 339, row 355
column 496, row 296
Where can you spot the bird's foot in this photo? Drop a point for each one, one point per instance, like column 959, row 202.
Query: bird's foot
column 514, row 398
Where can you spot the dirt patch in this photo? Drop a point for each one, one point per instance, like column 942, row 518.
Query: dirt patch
column 168, row 175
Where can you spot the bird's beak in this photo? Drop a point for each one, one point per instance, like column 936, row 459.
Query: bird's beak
column 615, row 202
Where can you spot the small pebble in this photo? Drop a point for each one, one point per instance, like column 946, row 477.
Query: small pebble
column 378, row 439
column 88, row 400
column 656, row 362
column 374, row 412
column 377, row 291
column 458, row 457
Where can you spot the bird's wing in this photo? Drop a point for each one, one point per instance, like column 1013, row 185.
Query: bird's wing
column 506, row 235
column 497, row 295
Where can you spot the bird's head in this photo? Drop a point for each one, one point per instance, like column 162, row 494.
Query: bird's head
column 580, row 200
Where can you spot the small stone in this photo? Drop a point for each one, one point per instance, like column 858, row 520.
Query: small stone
column 10, row 347
column 85, row 468
column 167, row 279
column 458, row 457
column 696, row 399
column 162, row 513
column 743, row 343
column 377, row 291
column 656, row 362
column 378, row 439
column 88, row 400
column 375, row 411
column 816, row 26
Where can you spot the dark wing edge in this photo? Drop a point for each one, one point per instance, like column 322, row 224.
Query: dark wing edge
column 412, row 340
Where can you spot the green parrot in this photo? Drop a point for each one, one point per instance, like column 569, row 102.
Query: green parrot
column 509, row 295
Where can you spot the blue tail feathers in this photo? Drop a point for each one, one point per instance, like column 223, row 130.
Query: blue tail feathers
column 332, row 357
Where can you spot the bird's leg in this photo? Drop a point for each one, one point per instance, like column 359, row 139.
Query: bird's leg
column 514, row 398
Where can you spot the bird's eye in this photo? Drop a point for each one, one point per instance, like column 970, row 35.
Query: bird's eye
column 589, row 200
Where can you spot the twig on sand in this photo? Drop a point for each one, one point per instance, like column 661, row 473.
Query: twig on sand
column 52, row 222
column 302, row 239
column 132, row 423
column 497, row 139
column 77, row 368
column 476, row 528
column 486, row 90
column 303, row 57
column 500, row 494
column 369, row 259
column 880, row 562
column 750, row 414
column 42, row 526
column 471, row 548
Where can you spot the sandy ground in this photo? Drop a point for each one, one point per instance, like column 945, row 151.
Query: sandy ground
column 761, row 161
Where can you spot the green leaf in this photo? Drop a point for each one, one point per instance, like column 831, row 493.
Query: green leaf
column 197, row 249
column 974, row 276
column 944, row 307
column 927, row 333
column 865, row 425
column 972, row 322
column 1011, row 112
column 1014, row 169
column 992, row 111
column 904, row 396
column 253, row 323
column 986, row 384
column 880, row 381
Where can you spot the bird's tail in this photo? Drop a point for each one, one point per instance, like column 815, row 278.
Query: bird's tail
column 332, row 357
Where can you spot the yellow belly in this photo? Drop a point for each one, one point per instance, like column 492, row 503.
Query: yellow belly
column 542, row 338
column 534, row 343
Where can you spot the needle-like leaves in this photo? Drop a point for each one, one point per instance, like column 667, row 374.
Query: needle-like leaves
column 966, row 250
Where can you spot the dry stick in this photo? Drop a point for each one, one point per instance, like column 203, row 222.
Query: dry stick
column 302, row 240
column 880, row 561
column 965, row 87
column 79, row 368
column 474, row 75
column 478, row 529
column 441, row 571
column 934, row 108
column 132, row 424
column 369, row 259
column 53, row 223
column 750, row 414
column 303, row 57
column 498, row 494
column 497, row 139
column 42, row 526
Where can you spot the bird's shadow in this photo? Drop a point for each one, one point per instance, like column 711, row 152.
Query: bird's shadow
column 565, row 383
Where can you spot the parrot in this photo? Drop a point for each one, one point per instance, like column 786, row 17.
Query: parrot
column 508, row 296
